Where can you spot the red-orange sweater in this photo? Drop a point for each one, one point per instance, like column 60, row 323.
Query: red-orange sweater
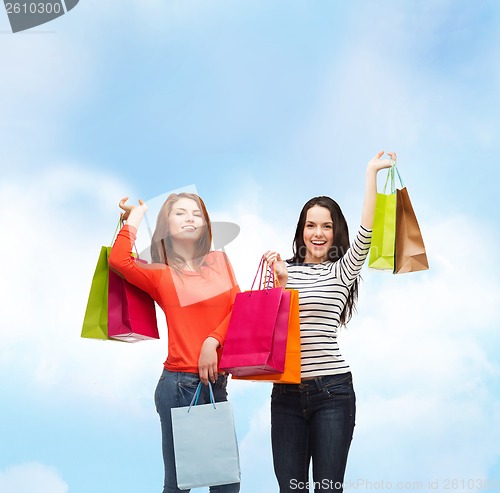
column 196, row 304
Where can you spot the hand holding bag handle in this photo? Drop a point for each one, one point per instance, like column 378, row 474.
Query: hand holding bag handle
column 256, row 337
column 196, row 396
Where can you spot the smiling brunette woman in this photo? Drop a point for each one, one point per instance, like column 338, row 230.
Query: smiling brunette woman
column 314, row 420
column 195, row 288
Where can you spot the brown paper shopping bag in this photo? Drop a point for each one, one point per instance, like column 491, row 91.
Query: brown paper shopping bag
column 410, row 249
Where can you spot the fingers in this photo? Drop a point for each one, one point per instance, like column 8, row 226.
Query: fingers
column 379, row 163
column 129, row 207
column 203, row 376
column 271, row 256
column 207, row 363
column 212, row 374
column 391, row 154
column 208, row 373
column 121, row 204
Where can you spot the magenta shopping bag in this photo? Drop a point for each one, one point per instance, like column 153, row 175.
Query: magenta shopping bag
column 258, row 330
column 131, row 311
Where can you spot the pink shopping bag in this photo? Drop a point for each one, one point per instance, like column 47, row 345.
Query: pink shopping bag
column 258, row 330
column 291, row 373
column 131, row 311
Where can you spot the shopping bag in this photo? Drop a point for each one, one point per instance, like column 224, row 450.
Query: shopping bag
column 95, row 321
column 117, row 309
column 291, row 372
column 410, row 249
column 131, row 311
column 258, row 329
column 205, row 445
column 382, row 247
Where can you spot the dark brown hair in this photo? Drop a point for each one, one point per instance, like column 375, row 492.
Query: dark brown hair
column 337, row 250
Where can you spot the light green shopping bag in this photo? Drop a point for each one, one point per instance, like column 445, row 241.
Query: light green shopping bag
column 383, row 243
column 95, row 322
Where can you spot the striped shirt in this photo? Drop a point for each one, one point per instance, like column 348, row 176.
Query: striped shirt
column 323, row 292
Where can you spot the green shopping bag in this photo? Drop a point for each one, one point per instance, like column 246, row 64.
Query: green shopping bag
column 95, row 322
column 383, row 243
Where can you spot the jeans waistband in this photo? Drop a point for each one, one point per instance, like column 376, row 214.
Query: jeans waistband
column 317, row 382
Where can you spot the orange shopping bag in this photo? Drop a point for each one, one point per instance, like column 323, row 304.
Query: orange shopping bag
column 291, row 373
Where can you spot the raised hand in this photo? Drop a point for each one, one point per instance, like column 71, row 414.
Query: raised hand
column 374, row 166
column 274, row 259
column 133, row 213
column 128, row 208
column 378, row 163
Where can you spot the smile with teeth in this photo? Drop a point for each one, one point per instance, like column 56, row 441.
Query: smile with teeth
column 318, row 242
column 188, row 228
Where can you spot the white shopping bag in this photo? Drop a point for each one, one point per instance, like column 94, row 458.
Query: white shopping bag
column 205, row 445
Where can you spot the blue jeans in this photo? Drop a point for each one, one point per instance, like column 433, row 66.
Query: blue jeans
column 176, row 389
column 312, row 420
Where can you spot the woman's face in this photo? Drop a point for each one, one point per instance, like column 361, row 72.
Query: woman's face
column 185, row 221
column 318, row 234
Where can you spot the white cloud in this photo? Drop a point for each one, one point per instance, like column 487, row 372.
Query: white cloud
column 31, row 477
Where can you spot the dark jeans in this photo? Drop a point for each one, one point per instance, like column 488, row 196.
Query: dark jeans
column 176, row 389
column 312, row 420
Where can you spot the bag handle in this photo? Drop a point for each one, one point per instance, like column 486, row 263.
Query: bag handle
column 259, row 271
column 194, row 400
column 397, row 172
column 266, row 281
column 391, row 173
column 271, row 277
column 120, row 225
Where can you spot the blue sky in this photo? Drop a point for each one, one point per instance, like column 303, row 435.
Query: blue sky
column 260, row 105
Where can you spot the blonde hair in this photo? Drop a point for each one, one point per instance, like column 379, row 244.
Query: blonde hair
column 162, row 250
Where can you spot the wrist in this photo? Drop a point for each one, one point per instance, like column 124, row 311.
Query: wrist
column 211, row 342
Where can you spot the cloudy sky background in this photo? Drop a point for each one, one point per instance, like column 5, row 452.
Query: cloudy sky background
column 259, row 105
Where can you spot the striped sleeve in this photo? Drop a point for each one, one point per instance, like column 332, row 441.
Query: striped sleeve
column 349, row 266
